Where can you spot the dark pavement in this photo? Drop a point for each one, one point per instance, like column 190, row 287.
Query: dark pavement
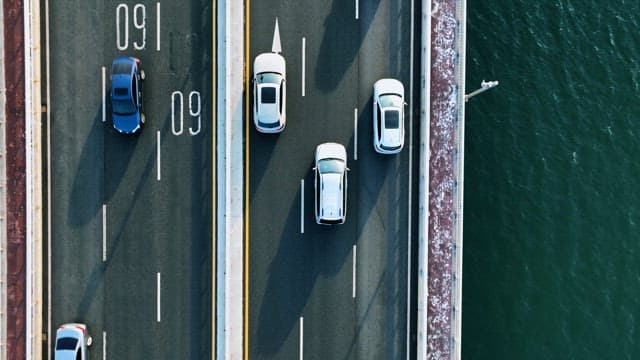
column 293, row 275
column 152, row 226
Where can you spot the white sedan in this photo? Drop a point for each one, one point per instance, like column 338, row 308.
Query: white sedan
column 269, row 93
column 388, row 116
column 72, row 341
column 330, row 184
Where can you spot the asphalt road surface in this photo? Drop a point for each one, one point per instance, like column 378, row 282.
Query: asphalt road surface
column 131, row 216
column 336, row 292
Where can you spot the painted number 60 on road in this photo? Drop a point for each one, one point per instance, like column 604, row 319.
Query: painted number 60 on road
column 139, row 22
column 195, row 110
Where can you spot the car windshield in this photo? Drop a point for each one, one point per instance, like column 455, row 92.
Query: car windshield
column 268, row 95
column 392, row 119
column 269, row 77
column 390, row 100
column 121, row 68
column 123, row 106
column 66, row 343
column 331, row 166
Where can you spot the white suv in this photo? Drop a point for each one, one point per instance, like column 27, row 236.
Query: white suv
column 72, row 341
column 330, row 184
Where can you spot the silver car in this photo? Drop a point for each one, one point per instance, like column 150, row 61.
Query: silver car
column 330, row 184
column 72, row 342
column 388, row 116
column 269, row 93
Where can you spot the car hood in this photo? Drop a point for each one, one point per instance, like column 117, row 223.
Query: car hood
column 331, row 151
column 269, row 62
column 127, row 124
column 331, row 199
column 388, row 86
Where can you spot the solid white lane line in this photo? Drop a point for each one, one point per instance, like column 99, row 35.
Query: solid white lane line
column 354, row 271
column 302, row 206
column 301, row 337
column 357, row 10
column 355, row 134
column 104, row 94
column 104, row 232
column 49, row 206
column 304, row 45
column 409, row 220
column 104, row 345
column 158, row 26
column 158, row 150
column 158, row 298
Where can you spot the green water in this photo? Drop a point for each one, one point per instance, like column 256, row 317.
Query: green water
column 552, row 199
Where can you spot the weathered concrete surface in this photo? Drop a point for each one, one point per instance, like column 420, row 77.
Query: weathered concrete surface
column 15, row 157
column 442, row 179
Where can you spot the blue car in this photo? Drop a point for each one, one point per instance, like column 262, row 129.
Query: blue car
column 126, row 94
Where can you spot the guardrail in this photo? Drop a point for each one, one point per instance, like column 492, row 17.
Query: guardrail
column 460, row 74
column 34, row 208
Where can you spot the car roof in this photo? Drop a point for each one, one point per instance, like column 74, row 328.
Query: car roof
column 268, row 112
column 332, row 196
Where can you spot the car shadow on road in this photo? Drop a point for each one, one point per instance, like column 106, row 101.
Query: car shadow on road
column 292, row 274
column 96, row 278
column 260, row 151
column 88, row 177
column 99, row 174
column 341, row 42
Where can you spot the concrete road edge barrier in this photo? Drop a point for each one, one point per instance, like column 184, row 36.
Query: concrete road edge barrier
column 230, row 193
column 461, row 43
column 34, row 212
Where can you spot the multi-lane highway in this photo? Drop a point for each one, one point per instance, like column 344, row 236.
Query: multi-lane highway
column 130, row 217
column 335, row 292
